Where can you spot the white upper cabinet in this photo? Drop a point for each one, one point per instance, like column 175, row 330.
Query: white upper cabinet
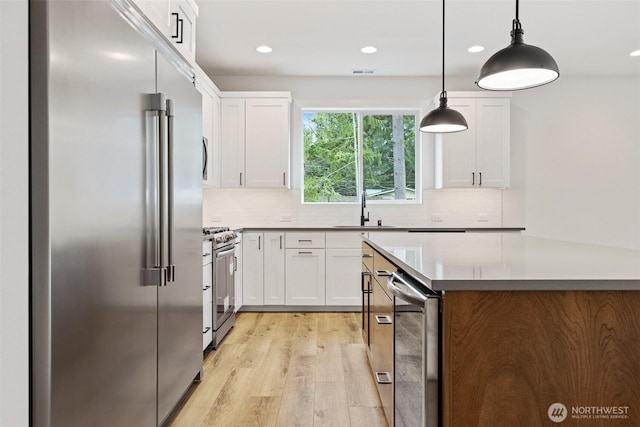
column 267, row 143
column 255, row 141
column 232, row 143
column 479, row 156
column 210, row 129
column 183, row 14
column 176, row 21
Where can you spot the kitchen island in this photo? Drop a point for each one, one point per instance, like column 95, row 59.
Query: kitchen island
column 533, row 331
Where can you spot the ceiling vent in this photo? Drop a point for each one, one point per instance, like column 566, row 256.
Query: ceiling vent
column 363, row 72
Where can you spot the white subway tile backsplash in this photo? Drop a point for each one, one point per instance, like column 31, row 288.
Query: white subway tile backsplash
column 277, row 208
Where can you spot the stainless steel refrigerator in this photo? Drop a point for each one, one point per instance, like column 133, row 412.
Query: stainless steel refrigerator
column 116, row 218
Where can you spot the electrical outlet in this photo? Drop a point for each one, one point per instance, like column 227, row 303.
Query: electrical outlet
column 436, row 218
column 216, row 219
column 483, row 218
column 285, row 218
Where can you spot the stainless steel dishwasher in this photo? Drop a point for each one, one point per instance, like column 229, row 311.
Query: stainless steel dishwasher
column 416, row 352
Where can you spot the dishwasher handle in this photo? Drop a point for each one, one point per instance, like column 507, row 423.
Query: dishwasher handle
column 407, row 291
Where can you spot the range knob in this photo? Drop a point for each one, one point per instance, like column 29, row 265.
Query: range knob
column 220, row 239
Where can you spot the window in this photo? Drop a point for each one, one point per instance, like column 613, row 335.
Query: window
column 346, row 153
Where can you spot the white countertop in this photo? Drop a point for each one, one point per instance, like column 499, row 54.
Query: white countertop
column 508, row 261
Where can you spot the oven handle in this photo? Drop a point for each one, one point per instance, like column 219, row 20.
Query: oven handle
column 227, row 252
column 415, row 296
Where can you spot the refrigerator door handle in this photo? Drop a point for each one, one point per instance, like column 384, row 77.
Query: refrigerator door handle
column 157, row 274
column 171, row 268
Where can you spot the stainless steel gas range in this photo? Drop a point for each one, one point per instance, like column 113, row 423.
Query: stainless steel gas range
column 225, row 264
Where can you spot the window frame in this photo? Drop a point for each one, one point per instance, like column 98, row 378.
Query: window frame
column 360, row 112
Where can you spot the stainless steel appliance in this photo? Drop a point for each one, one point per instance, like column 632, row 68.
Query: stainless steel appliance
column 225, row 264
column 416, row 352
column 116, row 217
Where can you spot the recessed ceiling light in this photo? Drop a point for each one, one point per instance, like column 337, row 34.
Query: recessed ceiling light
column 475, row 49
column 368, row 49
column 264, row 49
column 635, row 53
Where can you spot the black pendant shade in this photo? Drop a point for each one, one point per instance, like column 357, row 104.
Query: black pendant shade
column 519, row 65
column 443, row 119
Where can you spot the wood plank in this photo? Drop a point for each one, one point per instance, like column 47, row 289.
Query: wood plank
column 330, row 407
column 296, row 408
column 365, row 416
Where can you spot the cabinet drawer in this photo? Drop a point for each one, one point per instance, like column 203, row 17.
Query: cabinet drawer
column 207, row 276
column 207, row 323
column 207, row 252
column 207, row 295
column 304, row 240
column 343, row 240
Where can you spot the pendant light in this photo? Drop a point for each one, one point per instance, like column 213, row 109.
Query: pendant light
column 518, row 66
column 443, row 119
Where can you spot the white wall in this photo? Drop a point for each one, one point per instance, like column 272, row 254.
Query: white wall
column 580, row 141
column 455, row 208
column 14, row 303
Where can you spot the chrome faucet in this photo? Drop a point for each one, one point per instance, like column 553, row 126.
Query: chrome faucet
column 363, row 204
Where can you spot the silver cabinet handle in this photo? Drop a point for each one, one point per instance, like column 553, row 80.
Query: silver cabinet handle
column 206, row 254
column 281, row 242
column 480, row 173
column 235, row 263
column 240, row 179
column 284, row 179
column 205, row 288
column 259, row 242
column 367, row 255
column 383, row 320
column 304, row 253
column 383, row 377
column 206, row 329
column 383, row 273
column 304, row 240
column 473, row 178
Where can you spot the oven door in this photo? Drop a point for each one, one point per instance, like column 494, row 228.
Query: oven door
column 223, row 284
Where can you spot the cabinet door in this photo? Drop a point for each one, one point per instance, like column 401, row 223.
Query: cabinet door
column 456, row 152
column 274, row 268
column 252, row 269
column 267, row 143
column 158, row 13
column 343, row 277
column 238, row 277
column 492, row 155
column 207, row 134
column 183, row 28
column 305, row 277
column 232, row 136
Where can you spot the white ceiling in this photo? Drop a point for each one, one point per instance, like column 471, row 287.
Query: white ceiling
column 324, row 37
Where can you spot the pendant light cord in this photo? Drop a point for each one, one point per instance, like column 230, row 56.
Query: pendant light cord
column 443, row 94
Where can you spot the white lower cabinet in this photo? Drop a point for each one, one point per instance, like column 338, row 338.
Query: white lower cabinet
column 305, row 277
column 274, row 269
column 263, row 269
column 238, row 276
column 252, row 268
column 343, row 277
column 207, row 294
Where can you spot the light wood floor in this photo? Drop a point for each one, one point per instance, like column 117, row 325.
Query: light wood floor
column 286, row 369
